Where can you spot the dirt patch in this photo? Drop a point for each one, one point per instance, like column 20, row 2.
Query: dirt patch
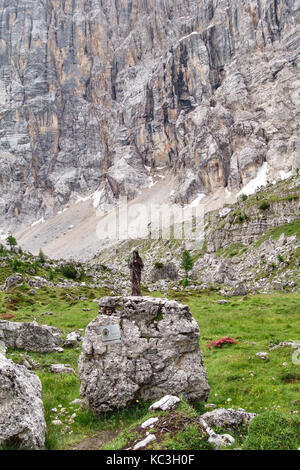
column 95, row 442
column 6, row 316
column 170, row 424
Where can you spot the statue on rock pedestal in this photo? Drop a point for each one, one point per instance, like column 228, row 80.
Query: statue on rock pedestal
column 136, row 265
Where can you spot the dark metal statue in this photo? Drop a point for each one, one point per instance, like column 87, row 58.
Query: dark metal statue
column 136, row 265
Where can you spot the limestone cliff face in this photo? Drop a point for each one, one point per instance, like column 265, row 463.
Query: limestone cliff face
column 94, row 91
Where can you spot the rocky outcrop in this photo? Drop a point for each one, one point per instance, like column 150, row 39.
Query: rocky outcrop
column 159, row 354
column 16, row 279
column 94, row 93
column 244, row 224
column 163, row 271
column 22, row 422
column 254, row 266
column 13, row 281
column 29, row 336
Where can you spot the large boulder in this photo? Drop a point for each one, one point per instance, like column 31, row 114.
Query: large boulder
column 29, row 336
column 159, row 354
column 22, row 421
column 13, row 281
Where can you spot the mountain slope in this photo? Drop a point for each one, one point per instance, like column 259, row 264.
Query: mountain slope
column 94, row 92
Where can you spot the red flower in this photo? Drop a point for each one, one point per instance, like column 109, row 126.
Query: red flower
column 221, row 341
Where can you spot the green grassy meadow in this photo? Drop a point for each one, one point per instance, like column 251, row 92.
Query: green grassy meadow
column 237, row 378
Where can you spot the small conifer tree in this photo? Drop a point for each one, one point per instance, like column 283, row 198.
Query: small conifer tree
column 11, row 241
column 187, row 262
column 42, row 257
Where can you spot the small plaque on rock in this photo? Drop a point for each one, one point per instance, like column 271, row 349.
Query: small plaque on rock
column 110, row 334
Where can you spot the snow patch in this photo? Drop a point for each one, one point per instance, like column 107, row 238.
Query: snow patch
column 284, row 175
column 96, row 198
column 40, row 221
column 196, row 201
column 255, row 183
column 151, row 182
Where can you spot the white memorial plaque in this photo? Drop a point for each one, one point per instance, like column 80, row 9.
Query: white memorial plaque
column 110, row 334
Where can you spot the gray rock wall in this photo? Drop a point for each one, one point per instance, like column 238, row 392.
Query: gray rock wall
column 91, row 91
column 159, row 354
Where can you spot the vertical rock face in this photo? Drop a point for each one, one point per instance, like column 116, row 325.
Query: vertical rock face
column 159, row 354
column 22, row 422
column 91, row 91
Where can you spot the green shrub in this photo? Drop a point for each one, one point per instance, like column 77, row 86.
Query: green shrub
column 69, row 271
column 264, row 205
column 242, row 218
column 244, row 197
column 158, row 265
column 273, row 430
column 185, row 282
column 280, row 258
column 16, row 264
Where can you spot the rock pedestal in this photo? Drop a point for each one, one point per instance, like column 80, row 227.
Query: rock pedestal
column 159, row 354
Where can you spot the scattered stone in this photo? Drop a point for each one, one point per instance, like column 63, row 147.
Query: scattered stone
column 217, row 440
column 65, row 429
column 46, row 313
column 284, row 344
column 240, row 290
column 227, row 418
column 159, row 354
column 13, row 281
column 221, row 440
column 149, row 422
column 77, row 401
column 22, row 421
column 262, row 355
column 29, row 363
column 62, row 369
column 278, row 285
column 210, row 406
column 222, row 302
column 145, row 442
column 281, row 240
column 72, row 339
column 168, row 402
column 57, row 422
